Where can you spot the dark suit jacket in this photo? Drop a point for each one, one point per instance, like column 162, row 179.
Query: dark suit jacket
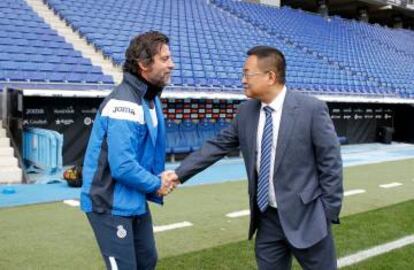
column 308, row 165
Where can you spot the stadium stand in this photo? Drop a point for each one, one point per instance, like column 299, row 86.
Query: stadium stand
column 209, row 42
column 30, row 51
column 331, row 57
column 382, row 58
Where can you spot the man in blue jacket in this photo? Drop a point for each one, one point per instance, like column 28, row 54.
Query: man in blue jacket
column 125, row 157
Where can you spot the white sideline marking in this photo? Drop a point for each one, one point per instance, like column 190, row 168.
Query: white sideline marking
column 391, row 185
column 169, row 227
column 73, row 203
column 375, row 251
column 172, row 226
column 354, row 192
column 238, row 214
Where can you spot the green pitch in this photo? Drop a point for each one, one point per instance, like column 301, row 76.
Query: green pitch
column 357, row 232
column 56, row 236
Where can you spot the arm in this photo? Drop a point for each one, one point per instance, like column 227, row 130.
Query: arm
column 328, row 161
column 212, row 150
column 122, row 146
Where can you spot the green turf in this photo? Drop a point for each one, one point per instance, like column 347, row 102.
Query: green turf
column 401, row 259
column 206, row 206
column 356, row 233
column 368, row 177
column 56, row 236
column 47, row 236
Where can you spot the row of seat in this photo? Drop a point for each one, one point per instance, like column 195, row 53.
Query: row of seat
column 188, row 136
column 191, row 55
column 209, row 41
column 54, row 77
column 343, row 43
column 30, row 51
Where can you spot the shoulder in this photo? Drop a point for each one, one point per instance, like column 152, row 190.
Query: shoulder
column 248, row 105
column 121, row 104
column 125, row 92
column 306, row 100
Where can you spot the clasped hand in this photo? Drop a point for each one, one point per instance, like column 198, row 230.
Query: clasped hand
column 169, row 181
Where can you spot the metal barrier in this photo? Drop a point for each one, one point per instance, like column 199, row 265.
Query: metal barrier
column 42, row 150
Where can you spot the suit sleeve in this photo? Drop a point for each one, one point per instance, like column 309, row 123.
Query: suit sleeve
column 212, row 150
column 328, row 160
column 122, row 148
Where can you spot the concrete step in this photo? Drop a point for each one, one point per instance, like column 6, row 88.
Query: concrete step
column 6, row 151
column 9, row 175
column 4, row 142
column 8, row 162
column 2, row 133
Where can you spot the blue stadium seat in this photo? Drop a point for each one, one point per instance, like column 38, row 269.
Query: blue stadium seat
column 31, row 51
column 336, row 56
column 221, row 124
column 206, row 129
column 189, row 134
column 172, row 136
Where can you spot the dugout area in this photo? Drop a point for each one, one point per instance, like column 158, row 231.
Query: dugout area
column 190, row 121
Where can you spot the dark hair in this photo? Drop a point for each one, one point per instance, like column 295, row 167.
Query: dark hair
column 142, row 48
column 271, row 59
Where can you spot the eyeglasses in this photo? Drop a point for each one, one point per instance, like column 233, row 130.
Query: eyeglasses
column 252, row 74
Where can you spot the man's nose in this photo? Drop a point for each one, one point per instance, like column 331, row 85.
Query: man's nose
column 172, row 65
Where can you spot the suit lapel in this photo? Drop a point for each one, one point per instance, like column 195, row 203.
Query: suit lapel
column 252, row 125
column 287, row 122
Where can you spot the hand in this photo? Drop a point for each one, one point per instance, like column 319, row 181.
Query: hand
column 169, row 183
column 172, row 177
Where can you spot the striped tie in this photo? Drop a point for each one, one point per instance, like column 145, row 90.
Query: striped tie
column 265, row 161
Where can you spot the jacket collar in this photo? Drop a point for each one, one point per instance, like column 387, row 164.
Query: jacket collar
column 139, row 86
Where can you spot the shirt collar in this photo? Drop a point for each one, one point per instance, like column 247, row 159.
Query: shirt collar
column 277, row 103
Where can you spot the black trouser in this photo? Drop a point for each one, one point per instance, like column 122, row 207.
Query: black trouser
column 126, row 243
column 273, row 251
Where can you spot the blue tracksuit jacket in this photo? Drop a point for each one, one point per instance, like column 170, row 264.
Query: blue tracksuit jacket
column 125, row 153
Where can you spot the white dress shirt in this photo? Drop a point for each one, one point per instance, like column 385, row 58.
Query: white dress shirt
column 277, row 106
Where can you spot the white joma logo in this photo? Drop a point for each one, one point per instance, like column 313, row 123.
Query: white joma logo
column 123, row 110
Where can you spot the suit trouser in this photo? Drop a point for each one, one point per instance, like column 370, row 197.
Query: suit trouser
column 273, row 251
column 126, row 243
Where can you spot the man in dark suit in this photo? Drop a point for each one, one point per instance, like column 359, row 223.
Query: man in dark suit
column 293, row 164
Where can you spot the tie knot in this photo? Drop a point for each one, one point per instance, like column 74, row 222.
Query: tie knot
column 268, row 109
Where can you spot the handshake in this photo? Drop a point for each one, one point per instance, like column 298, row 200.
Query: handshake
column 169, row 181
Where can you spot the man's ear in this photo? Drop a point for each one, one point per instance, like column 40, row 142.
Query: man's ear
column 273, row 76
column 143, row 67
